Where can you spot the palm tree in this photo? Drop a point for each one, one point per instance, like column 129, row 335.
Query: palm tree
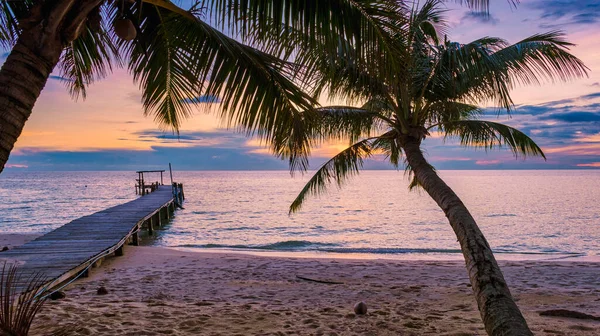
column 175, row 54
column 437, row 90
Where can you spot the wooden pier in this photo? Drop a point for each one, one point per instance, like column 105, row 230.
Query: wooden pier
column 72, row 249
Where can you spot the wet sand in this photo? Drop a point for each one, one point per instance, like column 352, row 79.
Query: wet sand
column 159, row 291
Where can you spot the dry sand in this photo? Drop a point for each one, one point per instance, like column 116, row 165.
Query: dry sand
column 159, row 291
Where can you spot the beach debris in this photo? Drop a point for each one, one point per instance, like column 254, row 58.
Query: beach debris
column 124, row 29
column 360, row 308
column 102, row 290
column 57, row 295
column 330, row 282
column 569, row 313
column 5, row 248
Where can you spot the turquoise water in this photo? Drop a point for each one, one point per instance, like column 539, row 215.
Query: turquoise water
column 550, row 213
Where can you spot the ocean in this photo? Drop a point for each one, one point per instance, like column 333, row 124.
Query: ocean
column 542, row 214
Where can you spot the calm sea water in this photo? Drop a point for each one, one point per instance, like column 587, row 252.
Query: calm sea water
column 547, row 213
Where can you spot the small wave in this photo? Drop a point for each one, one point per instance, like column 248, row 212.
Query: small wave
column 288, row 245
column 388, row 250
column 303, row 245
column 501, row 215
column 240, row 228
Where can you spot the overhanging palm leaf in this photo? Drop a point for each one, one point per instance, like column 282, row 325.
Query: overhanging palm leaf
column 488, row 134
column 11, row 15
column 349, row 20
column 87, row 59
column 254, row 89
column 339, row 168
column 161, row 67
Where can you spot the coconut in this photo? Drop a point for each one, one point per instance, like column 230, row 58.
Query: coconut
column 360, row 308
column 95, row 19
column 124, row 29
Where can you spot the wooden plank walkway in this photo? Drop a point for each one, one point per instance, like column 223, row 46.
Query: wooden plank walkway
column 73, row 248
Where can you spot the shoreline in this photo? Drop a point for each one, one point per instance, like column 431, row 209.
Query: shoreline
column 170, row 291
column 11, row 240
column 500, row 256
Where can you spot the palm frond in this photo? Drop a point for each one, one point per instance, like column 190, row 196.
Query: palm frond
column 160, row 65
column 313, row 23
column 87, row 59
column 336, row 43
column 325, row 124
column 346, row 123
column 345, row 164
column 470, row 73
column 541, row 57
column 488, row 135
column 175, row 58
column 489, row 68
column 448, row 110
column 12, row 14
column 428, row 22
column 389, row 145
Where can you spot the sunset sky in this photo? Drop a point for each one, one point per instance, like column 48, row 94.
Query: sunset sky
column 108, row 131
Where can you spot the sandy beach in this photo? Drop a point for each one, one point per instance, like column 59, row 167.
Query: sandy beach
column 160, row 291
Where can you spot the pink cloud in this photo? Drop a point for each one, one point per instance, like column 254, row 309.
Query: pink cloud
column 577, row 149
column 16, row 166
column 487, row 162
column 448, row 159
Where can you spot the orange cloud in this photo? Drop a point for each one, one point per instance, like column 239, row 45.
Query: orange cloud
column 593, row 164
column 591, row 138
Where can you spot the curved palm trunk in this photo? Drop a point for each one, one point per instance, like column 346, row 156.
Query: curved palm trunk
column 499, row 312
column 22, row 78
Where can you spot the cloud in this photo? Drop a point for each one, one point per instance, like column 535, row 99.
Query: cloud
column 60, row 78
column 562, row 13
column 487, row 162
column 202, row 99
column 575, row 117
column 19, row 166
column 219, row 137
column 481, row 17
column 189, row 158
column 593, row 164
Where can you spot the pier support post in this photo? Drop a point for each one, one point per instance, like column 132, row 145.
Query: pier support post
column 158, row 219
column 135, row 239
column 150, row 224
column 119, row 251
column 97, row 263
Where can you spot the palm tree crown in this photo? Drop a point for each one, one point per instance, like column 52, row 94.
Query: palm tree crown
column 437, row 89
column 175, row 54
